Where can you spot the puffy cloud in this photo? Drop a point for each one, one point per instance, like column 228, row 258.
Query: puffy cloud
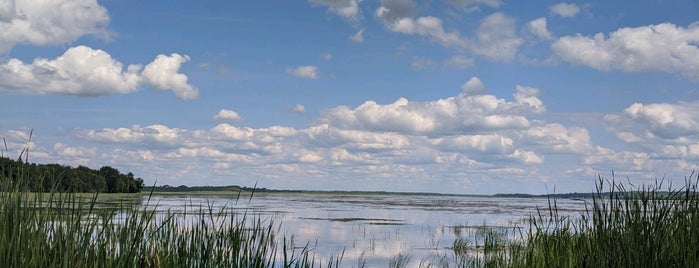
column 665, row 138
column 306, row 156
column 473, row 86
column 663, row 47
column 529, row 158
column 7, row 11
column 50, row 22
column 557, row 138
column 496, row 38
column 227, row 131
column 230, row 115
column 449, row 138
column 628, row 137
column 528, row 96
column 490, row 144
column 539, row 29
column 347, row 9
column 328, row 136
column 635, row 161
column 306, row 71
column 84, row 71
column 680, row 151
column 326, row 56
column 342, row 157
column 358, row 36
column 280, row 131
column 75, row 152
column 298, row 108
column 150, row 135
column 79, row 71
column 460, row 113
column 565, row 10
column 391, row 10
column 163, row 74
column 666, row 121
column 427, row 26
column 210, row 153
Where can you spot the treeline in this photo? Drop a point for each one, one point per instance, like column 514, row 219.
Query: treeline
column 55, row 177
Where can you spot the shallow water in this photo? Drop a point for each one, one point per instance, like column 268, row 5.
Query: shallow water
column 375, row 228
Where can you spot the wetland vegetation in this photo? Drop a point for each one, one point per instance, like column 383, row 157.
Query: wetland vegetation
column 55, row 177
column 620, row 226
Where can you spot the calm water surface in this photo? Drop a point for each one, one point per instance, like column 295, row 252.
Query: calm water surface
column 374, row 228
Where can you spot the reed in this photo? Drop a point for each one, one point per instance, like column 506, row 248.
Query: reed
column 623, row 225
column 653, row 225
column 67, row 230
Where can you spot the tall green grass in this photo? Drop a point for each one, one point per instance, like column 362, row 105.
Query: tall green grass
column 653, row 225
column 65, row 230
column 623, row 225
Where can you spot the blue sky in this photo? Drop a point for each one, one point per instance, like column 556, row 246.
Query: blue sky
column 452, row 96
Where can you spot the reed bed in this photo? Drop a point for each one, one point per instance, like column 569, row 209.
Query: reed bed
column 622, row 226
column 653, row 225
column 66, row 230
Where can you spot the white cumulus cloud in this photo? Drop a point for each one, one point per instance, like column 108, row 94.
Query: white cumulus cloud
column 555, row 137
column 298, row 108
column 565, row 10
column 474, row 86
column 76, row 152
column 84, row 71
column 163, row 74
column 427, row 26
column 663, row 47
column 667, row 121
column 462, row 113
column 229, row 115
column 306, row 71
column 79, row 71
column 492, row 144
column 49, row 22
column 539, row 29
column 150, row 135
column 391, row 10
column 496, row 38
column 347, row 9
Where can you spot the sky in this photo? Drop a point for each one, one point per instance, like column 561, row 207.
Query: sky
column 444, row 96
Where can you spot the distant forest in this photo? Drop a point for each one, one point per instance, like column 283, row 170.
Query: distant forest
column 55, row 177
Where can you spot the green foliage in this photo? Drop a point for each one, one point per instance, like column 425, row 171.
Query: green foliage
column 649, row 226
column 54, row 177
column 64, row 230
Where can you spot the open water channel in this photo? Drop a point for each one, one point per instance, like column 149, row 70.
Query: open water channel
column 373, row 229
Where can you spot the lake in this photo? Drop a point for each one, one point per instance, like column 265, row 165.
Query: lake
column 373, row 229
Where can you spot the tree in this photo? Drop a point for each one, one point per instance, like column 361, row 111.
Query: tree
column 55, row 177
